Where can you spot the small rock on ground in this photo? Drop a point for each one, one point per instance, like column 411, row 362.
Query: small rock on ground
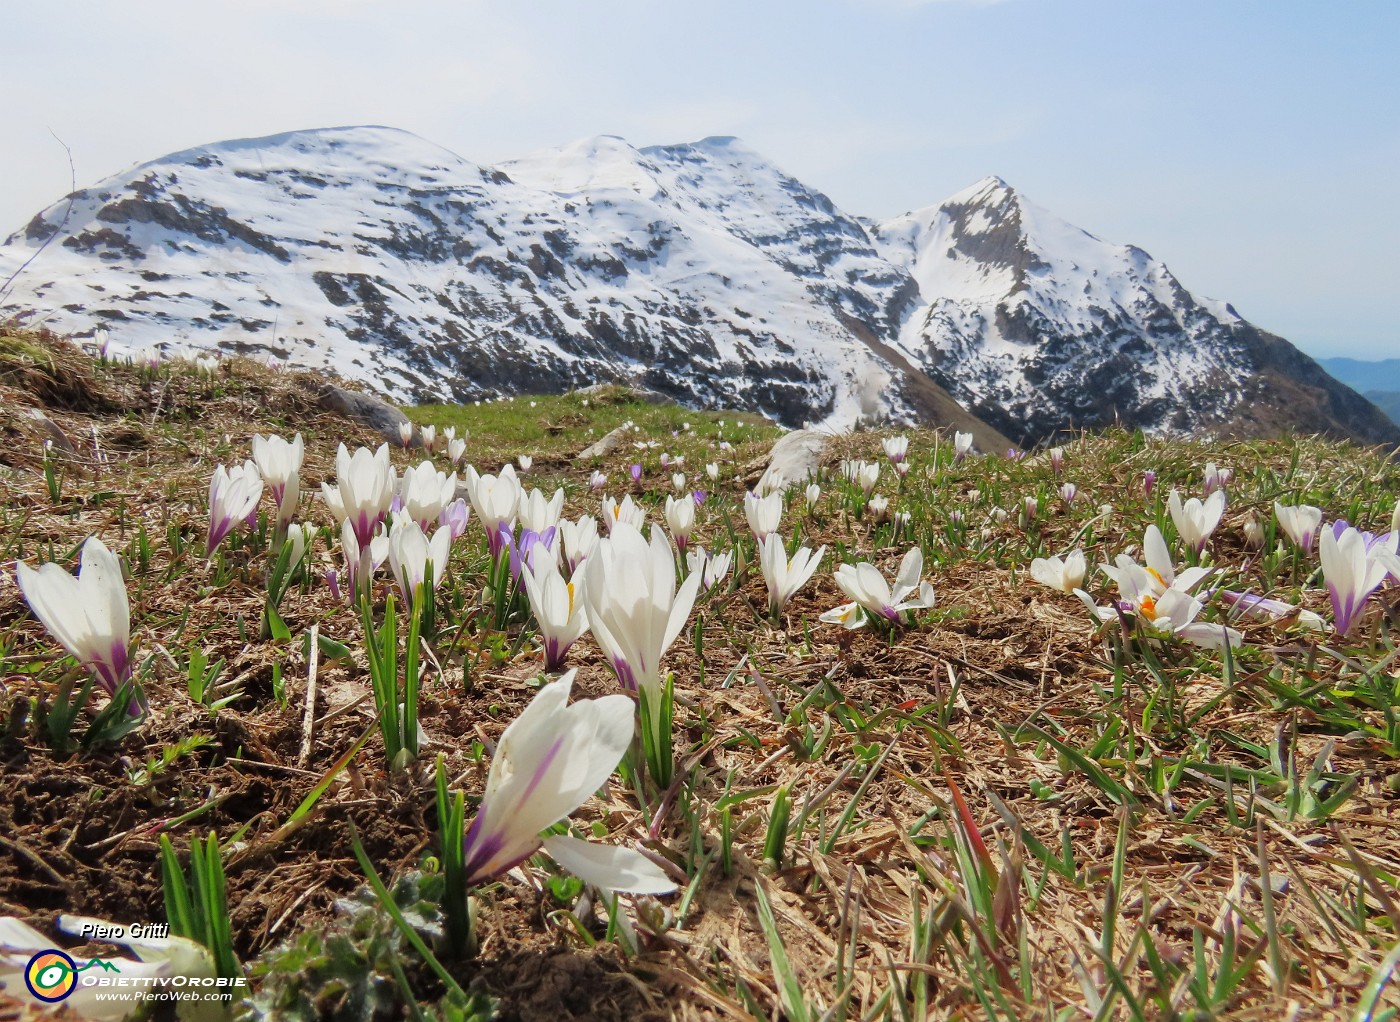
column 604, row 446
column 365, row 409
column 794, row 458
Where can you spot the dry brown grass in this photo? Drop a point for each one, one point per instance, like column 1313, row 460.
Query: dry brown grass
column 1003, row 694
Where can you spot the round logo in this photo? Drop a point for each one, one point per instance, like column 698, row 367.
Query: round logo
column 51, row 976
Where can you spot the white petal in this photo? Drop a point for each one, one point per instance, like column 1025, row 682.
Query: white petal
column 608, row 866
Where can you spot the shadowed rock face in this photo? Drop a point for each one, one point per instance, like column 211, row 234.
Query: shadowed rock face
column 698, row 271
column 1036, row 326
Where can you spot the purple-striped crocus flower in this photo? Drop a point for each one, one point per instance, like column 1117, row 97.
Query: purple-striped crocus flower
column 454, row 518
column 1299, row 524
column 872, row 596
column 233, row 499
column 1252, row 607
column 89, row 615
column 532, row 548
column 557, row 607
column 548, row 762
column 365, row 486
column 1351, row 573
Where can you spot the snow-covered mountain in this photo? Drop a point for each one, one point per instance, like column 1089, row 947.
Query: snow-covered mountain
column 698, row 270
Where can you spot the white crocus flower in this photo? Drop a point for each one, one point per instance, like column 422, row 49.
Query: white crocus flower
column 616, row 512
column 405, row 433
column 495, row 500
column 1171, row 614
column 580, row 538
column 365, row 485
column 764, row 514
column 1195, row 520
column 962, row 445
column 868, row 476
column 280, row 464
column 712, row 471
column 871, row 594
column 878, row 505
column 89, row 615
column 1351, row 573
column 539, row 513
column 896, row 448
column 678, row 481
column 525, row 461
column 1161, row 574
column 634, row 608
column 547, row 763
column 233, row 496
column 712, row 568
column 410, row 553
column 785, row 576
column 558, row 609
column 424, row 492
column 156, row 958
column 1300, row 524
column 428, row 434
column 813, row 493
column 680, row 518
column 1066, row 575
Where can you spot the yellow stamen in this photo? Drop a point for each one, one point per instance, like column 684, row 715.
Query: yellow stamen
column 1148, row 608
column 570, row 586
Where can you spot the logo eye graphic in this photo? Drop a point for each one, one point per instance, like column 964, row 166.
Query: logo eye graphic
column 51, row 976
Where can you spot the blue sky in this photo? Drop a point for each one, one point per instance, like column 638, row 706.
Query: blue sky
column 1254, row 147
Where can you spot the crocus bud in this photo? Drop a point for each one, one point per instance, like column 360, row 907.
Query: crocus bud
column 454, row 518
column 280, row 464
column 456, row 450
column 1253, row 532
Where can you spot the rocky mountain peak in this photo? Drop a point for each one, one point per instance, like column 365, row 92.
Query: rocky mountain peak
column 700, row 270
